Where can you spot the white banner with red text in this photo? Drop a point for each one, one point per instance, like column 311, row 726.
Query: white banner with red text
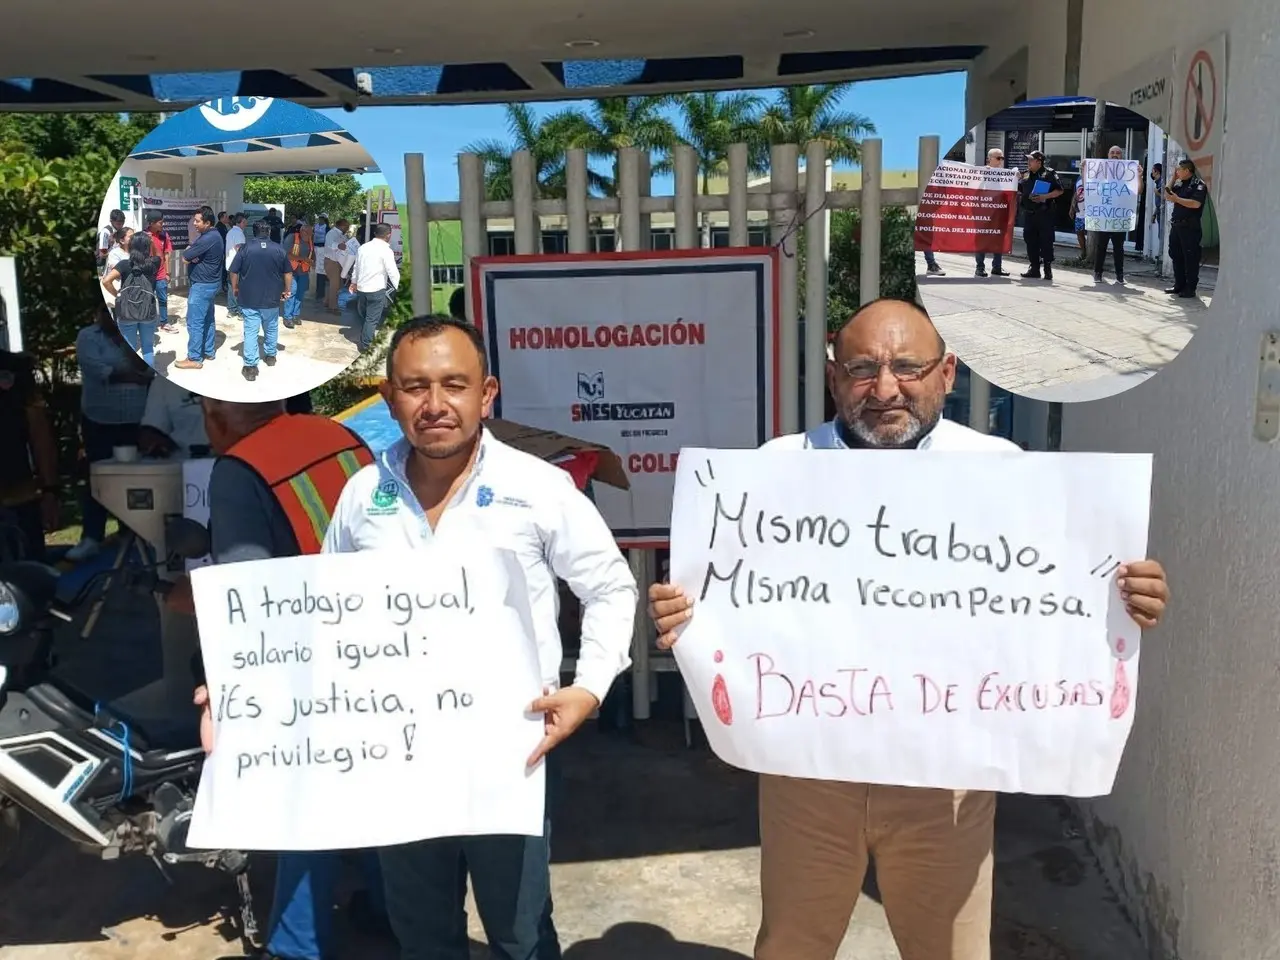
column 926, row 619
column 967, row 209
column 643, row 353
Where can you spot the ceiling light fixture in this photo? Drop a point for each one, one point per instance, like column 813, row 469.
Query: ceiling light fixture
column 386, row 51
column 797, row 35
column 581, row 44
column 141, row 57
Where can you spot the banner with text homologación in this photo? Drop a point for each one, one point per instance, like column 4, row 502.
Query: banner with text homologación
column 642, row 353
column 967, row 209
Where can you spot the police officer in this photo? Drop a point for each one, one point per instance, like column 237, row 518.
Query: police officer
column 1037, row 214
column 1187, row 193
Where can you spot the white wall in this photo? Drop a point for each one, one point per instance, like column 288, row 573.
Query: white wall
column 1192, row 829
column 204, row 182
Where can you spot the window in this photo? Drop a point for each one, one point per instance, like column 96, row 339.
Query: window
column 758, row 237
column 446, row 275
column 555, row 242
column 662, row 239
column 603, row 242
column 501, row 245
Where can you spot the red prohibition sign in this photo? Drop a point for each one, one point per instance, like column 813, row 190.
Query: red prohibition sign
column 1197, row 111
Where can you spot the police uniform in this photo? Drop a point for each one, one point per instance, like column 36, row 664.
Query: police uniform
column 1037, row 221
column 1184, row 236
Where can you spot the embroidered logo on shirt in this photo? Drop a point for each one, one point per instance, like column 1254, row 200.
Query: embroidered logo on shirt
column 385, row 499
column 484, row 496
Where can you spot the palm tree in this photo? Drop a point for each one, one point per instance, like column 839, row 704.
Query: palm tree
column 614, row 123
column 713, row 122
column 800, row 115
column 545, row 140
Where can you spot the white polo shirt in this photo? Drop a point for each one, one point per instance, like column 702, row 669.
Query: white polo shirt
column 519, row 503
column 947, row 435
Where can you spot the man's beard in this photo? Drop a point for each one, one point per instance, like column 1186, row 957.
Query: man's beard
column 918, row 426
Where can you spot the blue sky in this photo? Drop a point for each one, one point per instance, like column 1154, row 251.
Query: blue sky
column 902, row 109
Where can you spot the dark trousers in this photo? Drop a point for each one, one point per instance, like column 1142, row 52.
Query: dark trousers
column 322, row 284
column 301, row 925
column 426, row 892
column 370, row 308
column 1184, row 251
column 1037, row 233
column 99, row 439
column 1116, row 240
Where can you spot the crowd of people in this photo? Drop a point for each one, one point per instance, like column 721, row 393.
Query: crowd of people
column 264, row 270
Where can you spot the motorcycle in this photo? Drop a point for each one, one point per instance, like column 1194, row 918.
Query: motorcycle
column 109, row 782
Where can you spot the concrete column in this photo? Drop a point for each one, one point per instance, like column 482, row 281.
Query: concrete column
column 786, row 176
column 576, row 201
column 816, row 254
column 524, row 188
column 738, row 232
column 475, row 235
column 415, row 189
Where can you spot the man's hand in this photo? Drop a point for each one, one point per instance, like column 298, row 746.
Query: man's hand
column 565, row 710
column 153, row 443
column 1145, row 591
column 669, row 609
column 50, row 511
column 351, row 288
column 206, row 718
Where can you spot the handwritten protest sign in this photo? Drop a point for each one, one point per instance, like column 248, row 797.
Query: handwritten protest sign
column 1111, row 195
column 967, row 209
column 368, row 699
column 195, row 503
column 910, row 617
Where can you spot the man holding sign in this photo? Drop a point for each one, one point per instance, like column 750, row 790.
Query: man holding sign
column 933, row 847
column 1111, row 189
column 450, row 482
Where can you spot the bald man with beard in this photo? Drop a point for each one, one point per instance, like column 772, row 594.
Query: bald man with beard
column 889, row 376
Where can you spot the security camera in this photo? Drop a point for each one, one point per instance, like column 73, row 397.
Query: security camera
column 349, row 106
column 364, row 84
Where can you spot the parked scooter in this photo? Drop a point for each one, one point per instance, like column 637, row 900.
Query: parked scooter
column 103, row 779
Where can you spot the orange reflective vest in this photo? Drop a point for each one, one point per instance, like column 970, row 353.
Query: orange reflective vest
column 305, row 460
column 300, row 254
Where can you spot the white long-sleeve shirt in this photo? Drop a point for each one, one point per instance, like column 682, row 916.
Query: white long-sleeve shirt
column 519, row 503
column 946, row 435
column 375, row 268
column 330, row 250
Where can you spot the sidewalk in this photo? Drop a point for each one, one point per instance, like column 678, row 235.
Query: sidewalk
column 1068, row 340
column 308, row 355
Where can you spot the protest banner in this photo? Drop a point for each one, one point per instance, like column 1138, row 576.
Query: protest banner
column 967, row 209
column 1111, row 195
column 176, row 214
column 857, row 619
column 368, row 699
column 642, row 353
column 195, row 498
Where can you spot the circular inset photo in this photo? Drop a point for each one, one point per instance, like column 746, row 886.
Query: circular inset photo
column 1069, row 248
column 249, row 249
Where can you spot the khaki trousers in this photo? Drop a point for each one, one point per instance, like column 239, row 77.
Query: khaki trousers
column 333, row 273
column 932, row 850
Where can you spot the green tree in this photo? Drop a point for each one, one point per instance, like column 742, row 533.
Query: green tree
column 802, row 114
column 844, row 270
column 53, row 136
column 612, row 124
column 338, row 195
column 545, row 140
column 713, row 122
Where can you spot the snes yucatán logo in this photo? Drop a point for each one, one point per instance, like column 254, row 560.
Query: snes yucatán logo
column 230, row 114
column 593, row 406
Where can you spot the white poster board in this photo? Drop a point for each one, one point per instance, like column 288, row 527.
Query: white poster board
column 195, row 494
column 396, row 240
column 11, row 313
column 1111, row 194
column 918, row 618
column 368, row 699
column 642, row 353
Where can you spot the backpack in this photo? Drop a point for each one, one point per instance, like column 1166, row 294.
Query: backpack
column 137, row 302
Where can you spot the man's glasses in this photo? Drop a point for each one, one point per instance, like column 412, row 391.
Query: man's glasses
column 904, row 371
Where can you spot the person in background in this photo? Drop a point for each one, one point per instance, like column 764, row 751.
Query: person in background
column 458, row 304
column 1114, row 238
column 374, row 280
column 223, row 226
column 257, row 512
column 301, row 252
column 1157, row 211
column 931, row 265
column 1188, row 194
column 1076, row 214
column 932, row 849
column 1037, row 214
column 262, row 281
column 299, row 404
column 162, row 247
column 334, row 249
column 107, row 238
column 275, row 222
column 119, row 248
column 318, row 237
column 446, row 466
column 234, row 240
column 29, row 468
column 995, row 158
column 1139, row 232
column 113, row 394
column 204, row 275
column 172, row 421
column 136, row 309
column 349, row 256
